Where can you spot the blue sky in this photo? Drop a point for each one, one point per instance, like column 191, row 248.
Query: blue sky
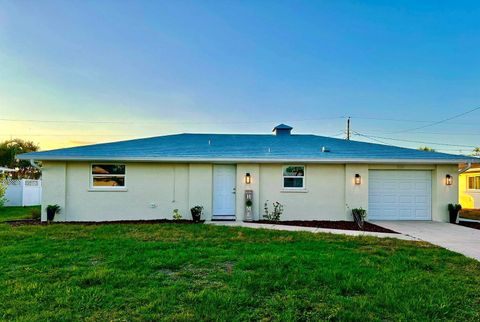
column 158, row 67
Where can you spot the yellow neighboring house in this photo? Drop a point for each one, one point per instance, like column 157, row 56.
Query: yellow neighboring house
column 469, row 188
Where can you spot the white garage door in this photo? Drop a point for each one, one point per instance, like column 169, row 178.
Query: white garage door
column 399, row 195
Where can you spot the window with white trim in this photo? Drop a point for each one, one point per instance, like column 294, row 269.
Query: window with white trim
column 294, row 177
column 474, row 182
column 108, row 176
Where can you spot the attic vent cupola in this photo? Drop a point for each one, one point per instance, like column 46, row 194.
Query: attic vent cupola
column 282, row 129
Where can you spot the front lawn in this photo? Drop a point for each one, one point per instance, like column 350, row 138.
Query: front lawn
column 202, row 272
column 14, row 213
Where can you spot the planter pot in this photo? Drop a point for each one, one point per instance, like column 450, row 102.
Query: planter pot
column 453, row 217
column 196, row 216
column 50, row 215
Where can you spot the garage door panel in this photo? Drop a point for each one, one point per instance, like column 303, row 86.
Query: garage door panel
column 408, row 199
column 392, row 199
column 400, row 195
column 421, row 200
column 425, row 186
column 405, row 213
column 389, row 185
column 403, row 185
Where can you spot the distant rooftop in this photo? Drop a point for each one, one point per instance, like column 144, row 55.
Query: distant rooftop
column 281, row 147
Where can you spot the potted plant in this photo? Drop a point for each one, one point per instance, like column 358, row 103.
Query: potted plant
column 453, row 210
column 196, row 213
column 52, row 210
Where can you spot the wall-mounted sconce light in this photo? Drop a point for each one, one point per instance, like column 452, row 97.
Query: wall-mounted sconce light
column 448, row 180
column 248, row 178
column 358, row 179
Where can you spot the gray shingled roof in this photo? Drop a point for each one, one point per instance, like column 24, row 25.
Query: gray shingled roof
column 246, row 148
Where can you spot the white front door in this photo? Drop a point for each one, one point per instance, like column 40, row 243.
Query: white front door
column 399, row 195
column 224, row 192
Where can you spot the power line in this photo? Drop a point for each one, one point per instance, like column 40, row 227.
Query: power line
column 448, row 134
column 445, row 150
column 247, row 121
column 438, row 122
column 50, row 135
column 414, row 141
column 158, row 123
column 112, row 135
column 369, row 137
column 405, row 120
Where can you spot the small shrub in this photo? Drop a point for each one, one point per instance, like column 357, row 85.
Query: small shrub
column 454, row 207
column 35, row 213
column 197, row 209
column 359, row 215
column 3, row 190
column 52, row 210
column 275, row 214
column 176, row 215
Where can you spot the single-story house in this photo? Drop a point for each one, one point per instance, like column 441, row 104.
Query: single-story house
column 469, row 187
column 313, row 177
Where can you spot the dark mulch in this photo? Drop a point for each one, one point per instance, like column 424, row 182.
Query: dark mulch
column 345, row 225
column 470, row 213
column 474, row 225
column 24, row 222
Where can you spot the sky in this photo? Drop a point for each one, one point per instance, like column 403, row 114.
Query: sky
column 81, row 72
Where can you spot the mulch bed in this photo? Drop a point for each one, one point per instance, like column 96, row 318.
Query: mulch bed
column 26, row 222
column 345, row 225
column 470, row 213
column 474, row 225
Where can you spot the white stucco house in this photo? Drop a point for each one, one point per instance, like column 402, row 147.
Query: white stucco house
column 314, row 177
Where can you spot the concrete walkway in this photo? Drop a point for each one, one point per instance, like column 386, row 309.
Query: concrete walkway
column 309, row 229
column 456, row 238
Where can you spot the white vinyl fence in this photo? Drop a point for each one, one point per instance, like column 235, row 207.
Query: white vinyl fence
column 24, row 192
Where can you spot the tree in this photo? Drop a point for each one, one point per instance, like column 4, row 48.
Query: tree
column 426, row 148
column 476, row 152
column 9, row 150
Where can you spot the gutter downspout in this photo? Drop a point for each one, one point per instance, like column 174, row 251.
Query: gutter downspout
column 36, row 166
column 468, row 167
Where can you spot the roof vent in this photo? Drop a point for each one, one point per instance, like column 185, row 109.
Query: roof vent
column 282, row 129
column 325, row 149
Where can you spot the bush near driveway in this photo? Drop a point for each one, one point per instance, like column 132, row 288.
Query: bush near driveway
column 202, row 272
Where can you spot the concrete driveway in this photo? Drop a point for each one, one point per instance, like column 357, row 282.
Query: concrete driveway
column 456, row 238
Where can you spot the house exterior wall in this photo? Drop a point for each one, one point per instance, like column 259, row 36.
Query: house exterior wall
column 443, row 194
column 322, row 199
column 54, row 175
column 153, row 190
column 469, row 199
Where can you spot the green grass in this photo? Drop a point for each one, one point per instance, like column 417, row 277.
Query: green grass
column 14, row 213
column 201, row 272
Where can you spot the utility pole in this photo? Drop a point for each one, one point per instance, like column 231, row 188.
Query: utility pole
column 348, row 128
